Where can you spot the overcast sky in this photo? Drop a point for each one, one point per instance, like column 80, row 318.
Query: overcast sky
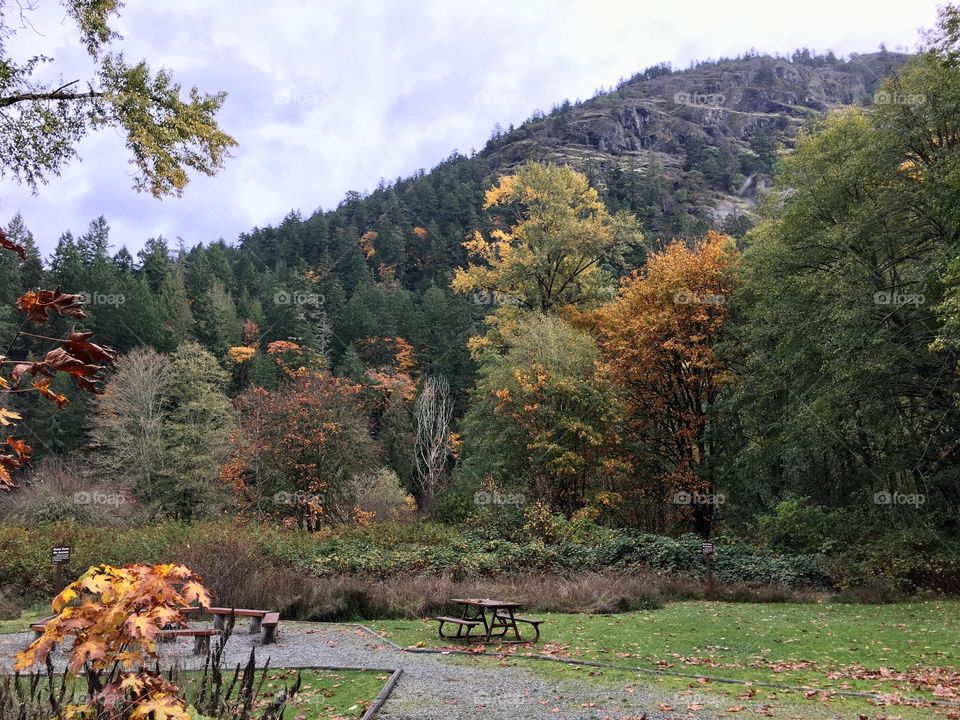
column 330, row 96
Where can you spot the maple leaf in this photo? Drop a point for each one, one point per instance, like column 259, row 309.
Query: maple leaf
column 42, row 386
column 37, row 304
column 37, row 368
column 84, row 374
column 66, row 596
column 78, row 345
column 7, row 243
column 142, row 627
column 7, row 415
column 92, row 648
column 163, row 707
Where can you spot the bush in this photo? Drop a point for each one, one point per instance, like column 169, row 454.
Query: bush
column 64, row 491
column 797, row 526
column 382, row 494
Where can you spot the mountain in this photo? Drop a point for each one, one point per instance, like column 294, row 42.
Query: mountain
column 711, row 131
column 684, row 150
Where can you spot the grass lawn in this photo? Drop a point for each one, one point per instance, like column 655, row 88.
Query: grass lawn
column 22, row 623
column 904, row 649
column 325, row 694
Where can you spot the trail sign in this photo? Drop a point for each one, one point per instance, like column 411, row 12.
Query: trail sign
column 59, row 556
column 708, row 548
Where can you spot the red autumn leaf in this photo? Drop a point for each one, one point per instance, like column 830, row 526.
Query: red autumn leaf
column 6, row 242
column 20, row 448
column 22, row 369
column 36, row 305
column 43, row 387
column 83, row 374
column 77, row 344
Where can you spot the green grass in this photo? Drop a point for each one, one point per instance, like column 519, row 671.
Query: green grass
column 792, row 645
column 22, row 623
column 325, row 694
column 721, row 699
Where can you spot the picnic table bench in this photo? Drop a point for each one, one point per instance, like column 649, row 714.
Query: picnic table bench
column 263, row 621
column 201, row 637
column 497, row 618
column 39, row 626
column 260, row 620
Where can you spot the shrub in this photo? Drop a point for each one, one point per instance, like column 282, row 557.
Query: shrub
column 382, row 494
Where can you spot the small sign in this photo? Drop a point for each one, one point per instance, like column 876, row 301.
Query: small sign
column 60, row 554
column 708, row 548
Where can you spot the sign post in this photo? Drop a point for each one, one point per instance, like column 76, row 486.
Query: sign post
column 708, row 557
column 59, row 556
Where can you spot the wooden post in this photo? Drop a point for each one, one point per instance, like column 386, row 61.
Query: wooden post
column 708, row 557
column 59, row 556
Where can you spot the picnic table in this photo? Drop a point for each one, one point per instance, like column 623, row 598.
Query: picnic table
column 498, row 618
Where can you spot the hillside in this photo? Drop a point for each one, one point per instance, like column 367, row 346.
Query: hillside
column 711, row 130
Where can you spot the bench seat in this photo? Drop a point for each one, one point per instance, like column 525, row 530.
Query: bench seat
column 269, row 624
column 201, row 637
column 461, row 623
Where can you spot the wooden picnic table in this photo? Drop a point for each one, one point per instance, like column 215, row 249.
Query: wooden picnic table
column 498, row 618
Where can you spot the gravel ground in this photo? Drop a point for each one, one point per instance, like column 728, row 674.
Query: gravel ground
column 432, row 686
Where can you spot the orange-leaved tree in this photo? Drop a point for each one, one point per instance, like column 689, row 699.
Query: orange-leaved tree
column 659, row 340
column 113, row 616
column 73, row 355
column 300, row 447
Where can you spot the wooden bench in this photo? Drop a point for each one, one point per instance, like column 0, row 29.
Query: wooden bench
column 201, row 637
column 39, row 625
column 269, row 624
column 220, row 615
column 532, row 621
column 461, row 623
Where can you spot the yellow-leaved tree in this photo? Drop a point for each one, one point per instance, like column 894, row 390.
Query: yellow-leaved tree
column 112, row 616
column 550, row 255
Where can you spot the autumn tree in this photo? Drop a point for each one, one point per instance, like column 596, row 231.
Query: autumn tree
column 658, row 340
column 553, row 234
column 299, row 449
column 74, row 356
column 544, row 418
column 168, row 132
column 111, row 617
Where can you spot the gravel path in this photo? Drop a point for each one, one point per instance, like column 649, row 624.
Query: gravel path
column 432, row 686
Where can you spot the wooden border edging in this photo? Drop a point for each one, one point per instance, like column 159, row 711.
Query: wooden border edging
column 382, row 697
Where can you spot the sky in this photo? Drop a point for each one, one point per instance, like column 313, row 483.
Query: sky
column 330, row 96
